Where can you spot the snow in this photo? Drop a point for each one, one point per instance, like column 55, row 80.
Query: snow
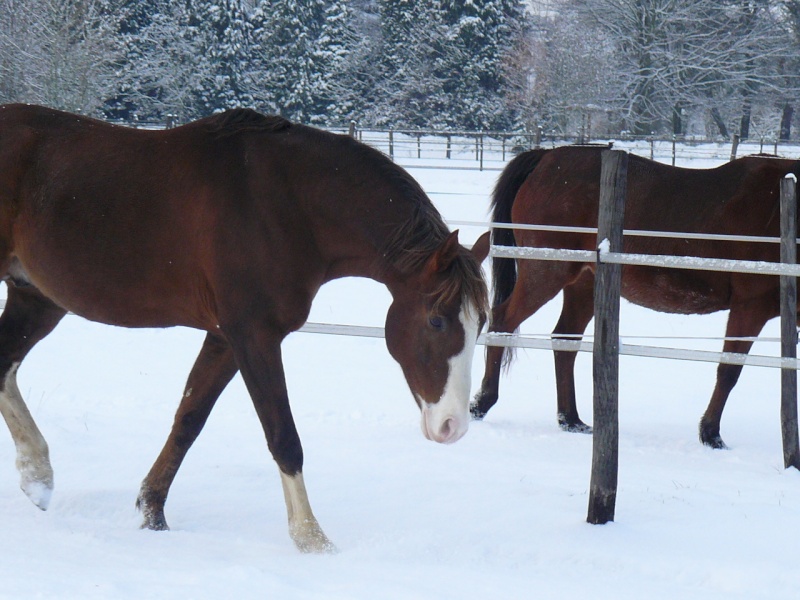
column 500, row 514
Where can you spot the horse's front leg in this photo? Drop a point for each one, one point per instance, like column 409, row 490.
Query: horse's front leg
column 258, row 354
column 213, row 369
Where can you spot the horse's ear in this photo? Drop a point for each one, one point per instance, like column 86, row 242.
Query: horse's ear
column 445, row 254
column 480, row 249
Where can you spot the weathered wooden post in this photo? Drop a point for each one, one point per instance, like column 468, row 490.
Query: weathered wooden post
column 673, row 150
column 791, row 448
column 734, row 145
column 352, row 129
column 391, row 144
column 605, row 443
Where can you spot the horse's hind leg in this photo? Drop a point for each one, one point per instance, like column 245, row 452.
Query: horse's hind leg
column 536, row 285
column 744, row 320
column 577, row 311
column 27, row 318
column 213, row 369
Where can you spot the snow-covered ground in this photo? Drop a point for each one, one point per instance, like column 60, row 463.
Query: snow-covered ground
column 500, row 514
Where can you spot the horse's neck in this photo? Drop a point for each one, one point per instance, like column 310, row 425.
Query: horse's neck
column 357, row 248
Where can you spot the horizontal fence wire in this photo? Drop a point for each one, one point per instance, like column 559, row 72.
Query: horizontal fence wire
column 508, row 340
column 696, row 263
column 718, row 237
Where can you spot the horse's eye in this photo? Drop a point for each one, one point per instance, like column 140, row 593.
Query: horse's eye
column 437, row 323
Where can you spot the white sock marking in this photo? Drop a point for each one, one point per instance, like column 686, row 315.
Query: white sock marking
column 33, row 457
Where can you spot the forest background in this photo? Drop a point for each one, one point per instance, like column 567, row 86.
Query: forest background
column 710, row 68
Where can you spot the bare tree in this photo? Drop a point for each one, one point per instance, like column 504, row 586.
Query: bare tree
column 672, row 56
column 60, row 53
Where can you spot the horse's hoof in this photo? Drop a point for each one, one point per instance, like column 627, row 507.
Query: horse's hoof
column 310, row 539
column 714, row 442
column 36, row 480
column 476, row 412
column 710, row 437
column 481, row 404
column 576, row 426
column 38, row 491
column 153, row 517
column 155, row 524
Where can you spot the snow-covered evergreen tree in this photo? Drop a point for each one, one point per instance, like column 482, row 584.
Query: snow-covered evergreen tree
column 222, row 30
column 442, row 62
column 164, row 66
column 301, row 49
column 403, row 81
column 479, row 36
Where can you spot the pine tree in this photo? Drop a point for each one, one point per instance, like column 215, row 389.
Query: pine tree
column 480, row 35
column 406, row 93
column 164, row 66
column 223, row 33
column 302, row 46
column 331, row 102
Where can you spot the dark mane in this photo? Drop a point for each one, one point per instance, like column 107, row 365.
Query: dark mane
column 244, row 119
column 413, row 243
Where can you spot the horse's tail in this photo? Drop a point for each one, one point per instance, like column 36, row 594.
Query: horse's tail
column 504, row 270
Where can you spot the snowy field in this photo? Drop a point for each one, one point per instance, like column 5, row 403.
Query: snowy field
column 500, row 514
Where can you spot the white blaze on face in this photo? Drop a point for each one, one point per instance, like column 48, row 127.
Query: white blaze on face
column 447, row 420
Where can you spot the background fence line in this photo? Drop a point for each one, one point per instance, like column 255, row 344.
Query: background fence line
column 490, row 150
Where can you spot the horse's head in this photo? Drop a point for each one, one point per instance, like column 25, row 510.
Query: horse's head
column 431, row 329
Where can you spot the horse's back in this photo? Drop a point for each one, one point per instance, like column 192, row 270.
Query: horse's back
column 739, row 197
column 154, row 228
column 111, row 222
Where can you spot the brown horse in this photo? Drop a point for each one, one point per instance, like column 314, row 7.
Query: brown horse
column 229, row 225
column 562, row 186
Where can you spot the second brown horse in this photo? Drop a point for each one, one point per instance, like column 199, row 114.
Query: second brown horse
column 562, row 187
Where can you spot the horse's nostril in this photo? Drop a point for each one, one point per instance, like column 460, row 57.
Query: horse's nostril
column 446, row 430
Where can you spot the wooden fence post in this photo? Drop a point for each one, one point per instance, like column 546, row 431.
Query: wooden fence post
column 734, row 145
column 673, row 150
column 605, row 442
column 791, row 449
column 391, row 144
